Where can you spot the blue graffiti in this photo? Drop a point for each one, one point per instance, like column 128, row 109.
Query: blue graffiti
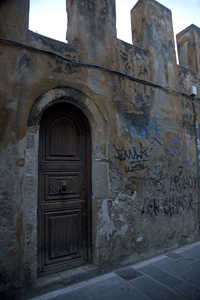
column 175, row 148
column 142, row 130
column 178, row 148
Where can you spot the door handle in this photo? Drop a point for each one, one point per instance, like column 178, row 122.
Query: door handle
column 63, row 187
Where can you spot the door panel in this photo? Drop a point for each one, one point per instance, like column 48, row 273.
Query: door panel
column 59, row 129
column 63, row 238
column 54, row 182
column 64, row 202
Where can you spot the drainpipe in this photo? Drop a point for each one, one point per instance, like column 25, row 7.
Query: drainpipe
column 193, row 93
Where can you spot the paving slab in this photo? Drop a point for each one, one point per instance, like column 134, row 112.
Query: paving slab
column 173, row 266
column 186, row 258
column 196, row 247
column 180, row 286
column 195, row 252
column 162, row 276
column 192, row 276
column 189, row 291
column 154, row 290
column 174, row 276
column 128, row 273
column 173, row 255
column 195, row 265
column 114, row 289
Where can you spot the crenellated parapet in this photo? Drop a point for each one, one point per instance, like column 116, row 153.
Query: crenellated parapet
column 92, row 29
column 92, row 26
column 152, row 31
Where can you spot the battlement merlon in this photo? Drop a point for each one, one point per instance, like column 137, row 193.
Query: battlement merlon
column 92, row 26
column 14, row 19
column 152, row 30
column 188, row 42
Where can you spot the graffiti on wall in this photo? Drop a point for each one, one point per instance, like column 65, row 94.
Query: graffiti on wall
column 158, row 182
column 142, row 129
column 150, row 182
column 163, row 193
column 138, row 157
column 170, row 205
column 177, row 148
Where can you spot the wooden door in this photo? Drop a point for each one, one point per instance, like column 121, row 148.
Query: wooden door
column 64, row 200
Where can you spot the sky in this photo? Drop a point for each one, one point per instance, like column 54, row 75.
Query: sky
column 49, row 17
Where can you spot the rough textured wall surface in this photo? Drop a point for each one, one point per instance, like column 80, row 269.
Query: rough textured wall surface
column 145, row 182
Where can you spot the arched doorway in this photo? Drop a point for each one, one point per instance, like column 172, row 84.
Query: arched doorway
column 64, row 189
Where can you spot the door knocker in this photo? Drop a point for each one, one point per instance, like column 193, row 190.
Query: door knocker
column 63, row 187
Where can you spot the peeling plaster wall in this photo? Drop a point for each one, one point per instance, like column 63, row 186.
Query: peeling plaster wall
column 145, row 181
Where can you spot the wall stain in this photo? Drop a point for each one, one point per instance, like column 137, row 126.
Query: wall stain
column 20, row 162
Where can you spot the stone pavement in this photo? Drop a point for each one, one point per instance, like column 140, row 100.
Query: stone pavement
column 173, row 276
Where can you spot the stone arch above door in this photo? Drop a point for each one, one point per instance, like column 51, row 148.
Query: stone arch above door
column 98, row 125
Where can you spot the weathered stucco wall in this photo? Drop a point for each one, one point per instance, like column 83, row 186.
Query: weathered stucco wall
column 144, row 153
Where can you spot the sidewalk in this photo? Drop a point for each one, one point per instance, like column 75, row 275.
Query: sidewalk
column 173, row 276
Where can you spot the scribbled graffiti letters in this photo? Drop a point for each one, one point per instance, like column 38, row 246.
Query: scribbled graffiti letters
column 171, row 206
column 132, row 154
column 152, row 182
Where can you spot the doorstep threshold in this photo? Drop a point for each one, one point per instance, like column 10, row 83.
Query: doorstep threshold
column 50, row 283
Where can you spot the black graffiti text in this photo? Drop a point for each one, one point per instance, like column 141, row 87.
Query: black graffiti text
column 132, row 167
column 171, row 206
column 180, row 182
